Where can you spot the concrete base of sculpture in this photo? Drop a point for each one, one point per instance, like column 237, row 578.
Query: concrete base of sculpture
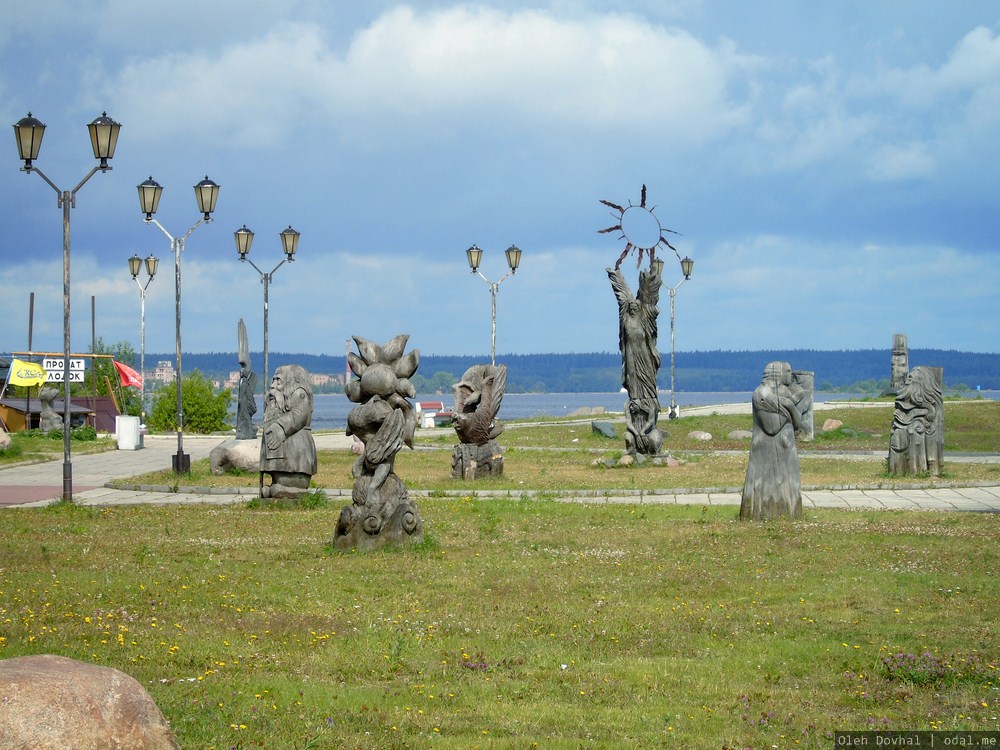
column 284, row 484
column 233, row 454
column 389, row 518
column 470, row 461
column 54, row 703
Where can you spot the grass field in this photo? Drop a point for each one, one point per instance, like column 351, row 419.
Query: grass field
column 519, row 624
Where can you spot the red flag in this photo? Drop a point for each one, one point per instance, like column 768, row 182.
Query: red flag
column 127, row 375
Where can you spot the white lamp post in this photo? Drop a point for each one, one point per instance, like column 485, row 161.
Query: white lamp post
column 289, row 243
column 474, row 256
column 687, row 266
column 28, row 132
column 207, row 193
column 134, row 266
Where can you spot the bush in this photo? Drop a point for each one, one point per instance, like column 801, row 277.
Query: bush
column 203, row 410
column 14, row 450
column 83, row 433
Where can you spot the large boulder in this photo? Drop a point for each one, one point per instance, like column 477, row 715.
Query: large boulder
column 235, row 454
column 4, row 439
column 53, row 703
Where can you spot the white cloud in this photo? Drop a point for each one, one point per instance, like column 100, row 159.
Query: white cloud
column 469, row 64
column 898, row 163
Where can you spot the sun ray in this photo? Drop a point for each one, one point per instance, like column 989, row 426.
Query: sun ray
column 625, row 252
column 642, row 202
column 615, row 206
column 609, row 229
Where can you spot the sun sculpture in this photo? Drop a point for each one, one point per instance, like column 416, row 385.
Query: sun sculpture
column 637, row 323
column 640, row 229
column 381, row 512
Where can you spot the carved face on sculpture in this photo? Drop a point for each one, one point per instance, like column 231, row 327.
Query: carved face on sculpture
column 778, row 373
column 286, row 380
column 919, row 387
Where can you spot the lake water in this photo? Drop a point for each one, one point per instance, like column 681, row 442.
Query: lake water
column 330, row 409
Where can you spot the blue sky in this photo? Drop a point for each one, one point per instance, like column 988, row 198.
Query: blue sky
column 831, row 169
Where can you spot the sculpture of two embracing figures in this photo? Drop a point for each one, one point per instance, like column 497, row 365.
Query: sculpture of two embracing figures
column 773, row 485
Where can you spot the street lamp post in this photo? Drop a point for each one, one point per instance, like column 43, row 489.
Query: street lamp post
column 289, row 243
column 207, row 193
column 28, row 132
column 134, row 266
column 474, row 256
column 687, row 266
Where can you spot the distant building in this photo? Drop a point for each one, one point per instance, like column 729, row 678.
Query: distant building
column 164, row 372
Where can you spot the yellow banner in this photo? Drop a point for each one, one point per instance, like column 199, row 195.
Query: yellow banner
column 26, row 373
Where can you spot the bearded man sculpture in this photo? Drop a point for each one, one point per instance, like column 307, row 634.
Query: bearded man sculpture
column 287, row 449
column 381, row 511
column 917, row 442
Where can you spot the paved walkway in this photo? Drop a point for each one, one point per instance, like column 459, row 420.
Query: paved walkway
column 40, row 484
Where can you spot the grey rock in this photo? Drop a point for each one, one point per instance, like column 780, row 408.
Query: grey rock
column 53, row 703
column 740, row 435
column 700, row 435
column 235, row 454
column 829, row 425
column 604, row 428
column 4, row 439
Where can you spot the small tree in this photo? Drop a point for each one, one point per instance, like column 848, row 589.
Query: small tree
column 203, row 410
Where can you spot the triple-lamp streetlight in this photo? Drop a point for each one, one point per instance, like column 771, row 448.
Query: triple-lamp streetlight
column 134, row 266
column 289, row 243
column 28, row 132
column 207, row 193
column 475, row 255
column 687, row 266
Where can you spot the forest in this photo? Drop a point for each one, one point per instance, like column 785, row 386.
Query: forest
column 601, row 371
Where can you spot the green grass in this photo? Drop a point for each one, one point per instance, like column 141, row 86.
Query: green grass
column 519, row 623
column 32, row 445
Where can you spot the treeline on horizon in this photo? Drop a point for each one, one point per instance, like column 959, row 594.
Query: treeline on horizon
column 600, row 372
